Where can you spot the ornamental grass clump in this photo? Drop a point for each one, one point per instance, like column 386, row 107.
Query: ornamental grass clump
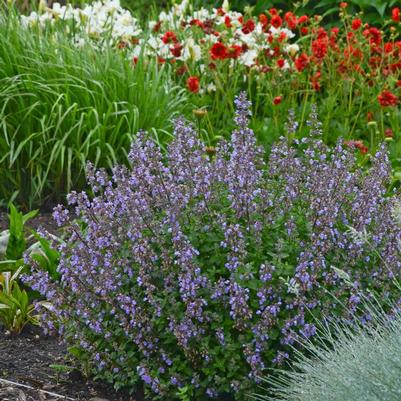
column 358, row 363
column 192, row 271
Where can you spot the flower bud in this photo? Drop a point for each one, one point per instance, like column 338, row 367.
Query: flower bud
column 199, row 112
column 388, row 133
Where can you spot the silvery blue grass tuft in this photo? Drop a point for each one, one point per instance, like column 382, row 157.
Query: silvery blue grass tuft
column 196, row 270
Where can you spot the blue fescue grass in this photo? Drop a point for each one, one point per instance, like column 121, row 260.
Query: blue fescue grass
column 358, row 362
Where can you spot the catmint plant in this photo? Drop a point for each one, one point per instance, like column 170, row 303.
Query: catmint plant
column 196, row 270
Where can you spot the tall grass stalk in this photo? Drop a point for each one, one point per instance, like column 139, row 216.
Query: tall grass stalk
column 61, row 105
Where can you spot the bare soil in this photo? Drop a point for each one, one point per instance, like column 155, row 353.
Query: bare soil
column 27, row 359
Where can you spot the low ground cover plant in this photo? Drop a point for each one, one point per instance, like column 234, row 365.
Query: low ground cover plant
column 16, row 307
column 191, row 271
column 359, row 363
column 18, row 243
column 18, row 247
column 14, row 240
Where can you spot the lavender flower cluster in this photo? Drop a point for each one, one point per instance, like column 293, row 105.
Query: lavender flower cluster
column 200, row 270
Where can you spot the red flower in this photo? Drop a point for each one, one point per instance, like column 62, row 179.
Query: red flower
column 343, row 4
column 227, row 21
column 335, row 31
column 322, row 34
column 157, row 26
column 357, row 145
column 395, row 14
column 356, row 24
column 370, row 116
column 121, row 44
column 319, row 48
column 277, row 100
column 248, row 27
column 263, row 20
column 280, row 62
column 304, row 30
column 282, row 37
column 389, row 133
column 388, row 47
column 182, row 70
column 234, row 51
column 276, row 21
column 193, row 84
column 218, row 51
column 291, row 20
column 301, row 62
column 273, row 11
column 386, row 98
column 315, row 81
column 197, row 22
column 374, row 34
column 398, row 83
column 169, row 37
column 176, row 50
column 220, row 11
column 302, row 19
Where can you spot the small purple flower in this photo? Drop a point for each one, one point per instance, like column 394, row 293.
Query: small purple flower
column 183, row 262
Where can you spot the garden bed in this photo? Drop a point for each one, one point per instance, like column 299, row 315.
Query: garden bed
column 27, row 359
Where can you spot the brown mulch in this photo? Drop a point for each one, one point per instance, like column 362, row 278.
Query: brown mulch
column 26, row 359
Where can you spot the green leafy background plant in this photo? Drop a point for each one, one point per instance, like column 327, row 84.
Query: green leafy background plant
column 62, row 106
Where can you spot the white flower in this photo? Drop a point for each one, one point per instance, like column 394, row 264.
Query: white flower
column 155, row 43
column 292, row 50
column 276, row 32
column 163, row 16
column 42, row 5
column 112, row 6
column 249, row 40
column 211, row 88
column 56, row 8
column 126, row 19
column 136, row 51
column 164, row 51
column 202, row 14
column 152, row 24
column 226, row 6
column 235, row 17
column 79, row 42
column 248, row 58
column 191, row 51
